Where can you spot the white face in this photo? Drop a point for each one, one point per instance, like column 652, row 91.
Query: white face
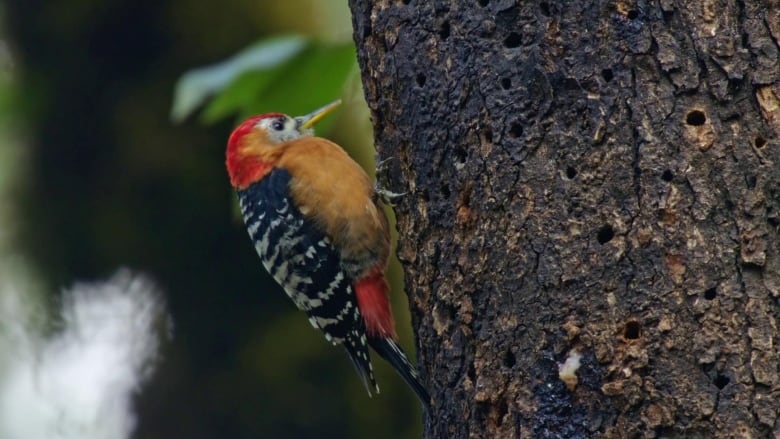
column 283, row 128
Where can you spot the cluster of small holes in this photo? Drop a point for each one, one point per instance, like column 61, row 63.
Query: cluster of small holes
column 711, row 293
column 759, row 142
column 513, row 40
column 444, row 30
column 605, row 234
column 570, row 172
column 607, row 74
column 420, row 79
column 506, row 83
column 696, row 118
column 632, row 331
column 667, row 175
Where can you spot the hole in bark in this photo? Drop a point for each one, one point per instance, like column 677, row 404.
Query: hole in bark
column 667, row 15
column 632, row 14
column 759, row 141
column 424, row 195
column 571, row 172
column 420, row 79
column 704, row 71
column 667, row 175
column 711, row 293
column 502, row 410
column 483, row 3
column 461, row 154
column 471, row 373
column 695, row 118
column 488, row 135
column 516, row 130
column 632, row 331
column 545, row 7
column 506, row 83
column 509, row 359
column 406, row 2
column 444, row 31
column 605, row 234
column 751, row 180
column 721, row 381
column 745, row 39
column 734, row 86
column 774, row 221
column 445, row 191
column 607, row 74
column 513, row 40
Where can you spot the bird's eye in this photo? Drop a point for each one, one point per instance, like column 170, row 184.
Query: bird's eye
column 278, row 125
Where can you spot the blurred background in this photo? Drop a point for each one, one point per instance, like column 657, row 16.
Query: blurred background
column 113, row 121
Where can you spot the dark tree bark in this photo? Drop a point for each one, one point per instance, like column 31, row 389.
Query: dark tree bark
column 597, row 177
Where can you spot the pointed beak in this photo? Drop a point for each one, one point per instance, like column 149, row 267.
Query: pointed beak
column 310, row 119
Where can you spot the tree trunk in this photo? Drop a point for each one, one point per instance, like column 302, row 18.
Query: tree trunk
column 594, row 179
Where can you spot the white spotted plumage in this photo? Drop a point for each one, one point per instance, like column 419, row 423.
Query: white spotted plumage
column 295, row 254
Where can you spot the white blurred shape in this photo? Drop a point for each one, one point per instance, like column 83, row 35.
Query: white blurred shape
column 78, row 383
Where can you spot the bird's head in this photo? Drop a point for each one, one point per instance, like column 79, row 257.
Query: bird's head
column 253, row 147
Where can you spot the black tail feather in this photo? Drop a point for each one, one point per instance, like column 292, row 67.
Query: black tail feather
column 358, row 353
column 388, row 349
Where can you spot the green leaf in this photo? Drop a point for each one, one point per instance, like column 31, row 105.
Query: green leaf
column 242, row 92
column 196, row 85
column 312, row 78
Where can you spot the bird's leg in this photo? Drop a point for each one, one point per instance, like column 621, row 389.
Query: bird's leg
column 387, row 196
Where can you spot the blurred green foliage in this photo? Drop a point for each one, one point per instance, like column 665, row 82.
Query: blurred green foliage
column 280, row 72
column 110, row 181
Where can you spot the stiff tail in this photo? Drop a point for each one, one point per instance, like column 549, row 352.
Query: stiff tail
column 358, row 353
column 388, row 349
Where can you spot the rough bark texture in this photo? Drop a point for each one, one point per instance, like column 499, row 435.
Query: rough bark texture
column 599, row 177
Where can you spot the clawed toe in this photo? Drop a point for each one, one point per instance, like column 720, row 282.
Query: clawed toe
column 387, row 196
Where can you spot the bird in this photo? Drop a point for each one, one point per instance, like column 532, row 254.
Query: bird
column 318, row 224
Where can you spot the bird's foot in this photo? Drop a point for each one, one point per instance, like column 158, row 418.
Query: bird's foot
column 387, row 196
column 382, row 166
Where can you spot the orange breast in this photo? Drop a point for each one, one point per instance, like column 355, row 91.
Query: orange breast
column 335, row 192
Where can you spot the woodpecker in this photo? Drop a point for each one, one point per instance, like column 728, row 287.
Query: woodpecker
column 319, row 228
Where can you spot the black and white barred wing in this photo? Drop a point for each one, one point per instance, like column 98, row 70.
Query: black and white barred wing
column 304, row 262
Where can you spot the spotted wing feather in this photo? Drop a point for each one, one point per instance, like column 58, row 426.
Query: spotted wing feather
column 302, row 260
